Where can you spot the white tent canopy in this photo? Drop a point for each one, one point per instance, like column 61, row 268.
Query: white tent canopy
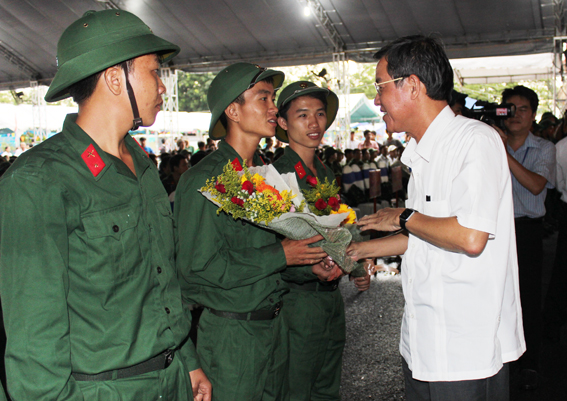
column 20, row 119
column 503, row 69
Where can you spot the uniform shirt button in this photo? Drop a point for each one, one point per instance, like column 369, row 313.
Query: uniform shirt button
column 115, row 228
column 167, row 311
column 159, row 270
column 277, row 282
column 271, row 300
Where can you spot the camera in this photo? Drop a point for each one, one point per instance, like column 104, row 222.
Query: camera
column 492, row 113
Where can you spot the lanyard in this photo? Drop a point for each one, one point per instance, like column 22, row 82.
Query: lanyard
column 525, row 155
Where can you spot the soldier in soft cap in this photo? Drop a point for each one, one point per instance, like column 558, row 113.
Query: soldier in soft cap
column 91, row 301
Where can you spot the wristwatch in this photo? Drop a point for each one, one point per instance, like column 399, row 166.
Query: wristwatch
column 405, row 216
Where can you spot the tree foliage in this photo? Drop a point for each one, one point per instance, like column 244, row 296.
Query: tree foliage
column 192, row 90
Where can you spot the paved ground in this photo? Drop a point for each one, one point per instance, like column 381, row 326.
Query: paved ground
column 371, row 361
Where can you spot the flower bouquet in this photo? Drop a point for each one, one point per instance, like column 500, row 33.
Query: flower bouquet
column 274, row 201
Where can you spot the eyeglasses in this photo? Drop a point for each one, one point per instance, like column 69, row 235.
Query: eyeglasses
column 378, row 86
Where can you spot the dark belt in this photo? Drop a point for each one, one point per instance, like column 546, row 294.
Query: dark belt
column 315, row 286
column 265, row 314
column 162, row 361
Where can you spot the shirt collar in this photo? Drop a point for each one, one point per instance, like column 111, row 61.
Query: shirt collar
column 232, row 154
column 295, row 158
column 428, row 141
column 530, row 142
column 80, row 141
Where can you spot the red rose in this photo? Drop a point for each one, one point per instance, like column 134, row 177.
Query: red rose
column 237, row 201
column 220, row 187
column 321, row 204
column 311, row 180
column 248, row 187
column 334, row 203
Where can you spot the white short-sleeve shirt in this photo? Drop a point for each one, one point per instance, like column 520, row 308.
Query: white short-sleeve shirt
column 462, row 317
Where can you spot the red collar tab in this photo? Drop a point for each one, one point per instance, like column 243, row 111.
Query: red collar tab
column 236, row 164
column 93, row 160
column 141, row 146
column 300, row 170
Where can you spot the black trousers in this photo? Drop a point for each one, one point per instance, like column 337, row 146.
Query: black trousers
column 555, row 307
column 529, row 244
column 495, row 388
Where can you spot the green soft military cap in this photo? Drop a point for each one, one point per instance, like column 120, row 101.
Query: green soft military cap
column 302, row 88
column 101, row 39
column 230, row 83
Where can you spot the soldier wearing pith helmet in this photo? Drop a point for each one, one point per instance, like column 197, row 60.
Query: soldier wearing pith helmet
column 314, row 309
column 234, row 268
column 90, row 295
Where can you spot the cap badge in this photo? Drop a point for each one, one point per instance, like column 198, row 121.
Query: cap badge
column 303, row 85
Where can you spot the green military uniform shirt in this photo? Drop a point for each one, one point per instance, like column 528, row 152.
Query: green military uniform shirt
column 224, row 264
column 87, row 276
column 231, row 266
column 286, row 164
column 316, row 319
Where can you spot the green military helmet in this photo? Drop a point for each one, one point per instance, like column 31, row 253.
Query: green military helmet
column 230, row 83
column 302, row 88
column 101, row 39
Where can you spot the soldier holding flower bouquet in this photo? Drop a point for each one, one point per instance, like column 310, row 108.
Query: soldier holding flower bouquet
column 314, row 308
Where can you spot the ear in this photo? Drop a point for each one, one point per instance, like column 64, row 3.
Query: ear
column 415, row 86
column 283, row 123
column 113, row 78
column 233, row 112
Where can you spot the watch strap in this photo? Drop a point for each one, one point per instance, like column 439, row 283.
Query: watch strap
column 405, row 216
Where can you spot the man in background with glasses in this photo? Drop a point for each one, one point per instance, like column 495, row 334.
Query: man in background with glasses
column 462, row 316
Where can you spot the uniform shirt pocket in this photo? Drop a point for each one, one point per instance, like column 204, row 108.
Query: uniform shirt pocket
column 112, row 242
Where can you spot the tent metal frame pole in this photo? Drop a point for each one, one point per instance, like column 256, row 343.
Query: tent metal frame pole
column 170, row 103
column 39, row 112
column 342, row 121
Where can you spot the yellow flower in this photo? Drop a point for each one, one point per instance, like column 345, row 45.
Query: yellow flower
column 351, row 218
column 257, row 179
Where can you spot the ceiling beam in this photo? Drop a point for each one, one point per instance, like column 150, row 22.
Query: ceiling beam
column 332, row 35
column 14, row 59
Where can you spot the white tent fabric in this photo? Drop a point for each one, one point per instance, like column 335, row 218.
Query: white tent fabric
column 20, row 118
column 503, row 69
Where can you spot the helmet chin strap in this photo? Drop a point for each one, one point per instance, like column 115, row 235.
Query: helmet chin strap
column 137, row 119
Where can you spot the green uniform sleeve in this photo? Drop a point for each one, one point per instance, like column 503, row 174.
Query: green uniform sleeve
column 187, row 349
column 206, row 248
column 34, row 284
column 299, row 274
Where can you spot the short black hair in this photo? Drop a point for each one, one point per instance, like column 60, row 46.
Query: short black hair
column 82, row 90
column 240, row 100
column 315, row 95
column 175, row 160
column 421, row 56
column 524, row 92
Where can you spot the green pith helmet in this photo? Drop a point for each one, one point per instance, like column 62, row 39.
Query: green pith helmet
column 229, row 84
column 101, row 39
column 302, row 88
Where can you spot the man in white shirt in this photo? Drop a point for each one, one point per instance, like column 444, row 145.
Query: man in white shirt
column 21, row 149
column 351, row 142
column 462, row 317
